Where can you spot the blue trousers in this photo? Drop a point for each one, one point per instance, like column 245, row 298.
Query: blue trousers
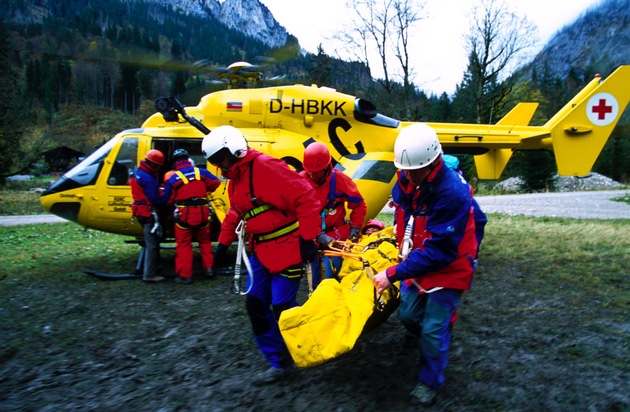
column 329, row 263
column 270, row 294
column 428, row 316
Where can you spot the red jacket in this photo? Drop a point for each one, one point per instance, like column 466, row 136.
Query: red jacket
column 188, row 189
column 337, row 190
column 144, row 190
column 283, row 199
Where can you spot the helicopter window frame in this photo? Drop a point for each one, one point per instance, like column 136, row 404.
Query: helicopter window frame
column 125, row 162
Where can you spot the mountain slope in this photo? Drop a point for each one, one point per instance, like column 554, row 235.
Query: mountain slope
column 600, row 38
column 249, row 17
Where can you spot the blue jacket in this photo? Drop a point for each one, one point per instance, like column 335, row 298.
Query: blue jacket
column 445, row 241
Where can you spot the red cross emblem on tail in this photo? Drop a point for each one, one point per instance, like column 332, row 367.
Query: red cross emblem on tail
column 602, row 109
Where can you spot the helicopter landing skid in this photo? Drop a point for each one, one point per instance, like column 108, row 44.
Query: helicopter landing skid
column 112, row 276
column 121, row 276
column 227, row 271
column 138, row 273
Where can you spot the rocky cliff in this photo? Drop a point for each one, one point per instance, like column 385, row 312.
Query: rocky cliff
column 250, row 17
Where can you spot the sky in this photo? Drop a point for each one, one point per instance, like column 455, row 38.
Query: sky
column 438, row 56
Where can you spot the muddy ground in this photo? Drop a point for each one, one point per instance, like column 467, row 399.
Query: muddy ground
column 123, row 345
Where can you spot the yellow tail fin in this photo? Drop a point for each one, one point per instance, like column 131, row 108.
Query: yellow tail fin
column 581, row 128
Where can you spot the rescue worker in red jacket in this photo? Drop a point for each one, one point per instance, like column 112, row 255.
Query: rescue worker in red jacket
column 436, row 229
column 187, row 190
column 146, row 200
column 279, row 210
column 334, row 190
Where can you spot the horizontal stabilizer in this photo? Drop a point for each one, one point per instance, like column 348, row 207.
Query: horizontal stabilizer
column 520, row 115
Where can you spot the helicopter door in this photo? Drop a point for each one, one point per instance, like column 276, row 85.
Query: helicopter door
column 111, row 207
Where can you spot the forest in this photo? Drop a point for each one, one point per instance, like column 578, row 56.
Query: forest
column 85, row 71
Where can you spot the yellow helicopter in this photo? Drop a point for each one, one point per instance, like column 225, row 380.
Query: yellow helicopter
column 282, row 120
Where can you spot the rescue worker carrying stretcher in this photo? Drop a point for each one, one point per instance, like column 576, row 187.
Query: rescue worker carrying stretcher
column 436, row 228
column 187, row 190
column 279, row 211
column 334, row 189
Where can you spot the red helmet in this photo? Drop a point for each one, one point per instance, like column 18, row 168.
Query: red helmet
column 155, row 156
column 316, row 157
column 373, row 223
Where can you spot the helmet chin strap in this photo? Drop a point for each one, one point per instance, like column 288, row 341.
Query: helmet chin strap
column 326, row 174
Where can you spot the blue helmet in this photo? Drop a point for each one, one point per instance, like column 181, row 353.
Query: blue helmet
column 180, row 154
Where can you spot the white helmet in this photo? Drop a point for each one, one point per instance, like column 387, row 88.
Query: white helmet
column 416, row 146
column 227, row 137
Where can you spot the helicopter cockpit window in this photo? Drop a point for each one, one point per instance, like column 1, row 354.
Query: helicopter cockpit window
column 125, row 162
column 86, row 172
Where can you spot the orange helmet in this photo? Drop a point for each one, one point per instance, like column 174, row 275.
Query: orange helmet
column 155, row 156
column 316, row 157
column 168, row 175
column 373, row 223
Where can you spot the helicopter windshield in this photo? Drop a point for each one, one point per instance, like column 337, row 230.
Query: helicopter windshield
column 85, row 173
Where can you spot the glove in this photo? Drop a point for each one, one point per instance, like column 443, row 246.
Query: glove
column 355, row 233
column 308, row 250
column 157, row 229
column 324, row 240
column 220, row 254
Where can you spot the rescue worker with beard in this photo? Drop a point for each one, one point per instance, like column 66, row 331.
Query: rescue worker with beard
column 334, row 189
column 146, row 200
column 435, row 228
column 187, row 189
column 280, row 213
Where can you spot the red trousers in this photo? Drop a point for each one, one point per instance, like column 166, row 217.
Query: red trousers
column 184, row 249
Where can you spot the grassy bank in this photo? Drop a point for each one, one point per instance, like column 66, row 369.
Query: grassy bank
column 22, row 197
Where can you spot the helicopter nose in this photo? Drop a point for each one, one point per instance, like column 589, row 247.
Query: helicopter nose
column 54, row 203
column 56, row 199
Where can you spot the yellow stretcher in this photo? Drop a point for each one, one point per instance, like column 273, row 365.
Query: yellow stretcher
column 332, row 319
